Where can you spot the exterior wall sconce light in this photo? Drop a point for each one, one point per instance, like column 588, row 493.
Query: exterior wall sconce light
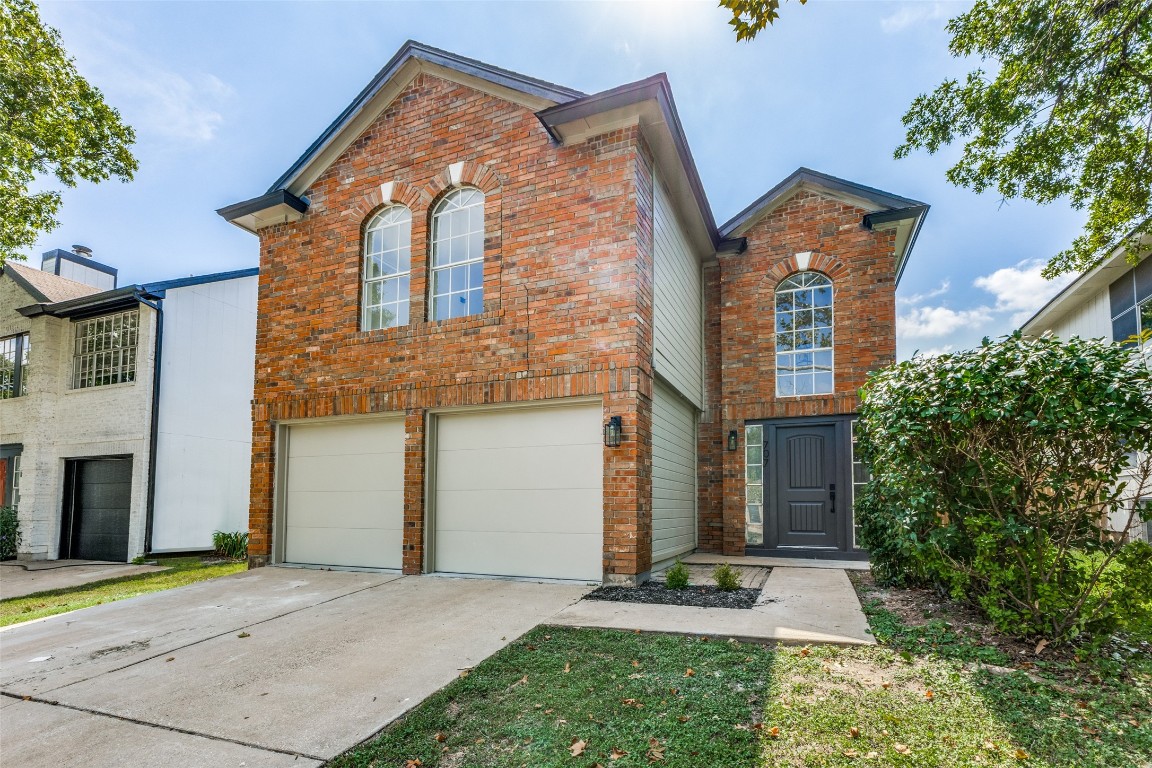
column 732, row 439
column 612, row 431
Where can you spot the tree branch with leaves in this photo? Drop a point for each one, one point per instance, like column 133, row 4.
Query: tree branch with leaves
column 53, row 124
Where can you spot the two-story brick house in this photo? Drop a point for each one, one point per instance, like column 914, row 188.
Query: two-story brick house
column 500, row 333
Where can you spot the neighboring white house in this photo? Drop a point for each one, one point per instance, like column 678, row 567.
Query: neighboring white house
column 125, row 423
column 1111, row 302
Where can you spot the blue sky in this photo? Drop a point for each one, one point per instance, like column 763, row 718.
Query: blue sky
column 224, row 96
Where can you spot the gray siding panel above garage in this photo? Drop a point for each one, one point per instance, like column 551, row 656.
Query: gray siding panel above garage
column 679, row 339
column 673, row 474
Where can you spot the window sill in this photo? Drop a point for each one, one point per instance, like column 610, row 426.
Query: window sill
column 100, row 388
column 424, row 327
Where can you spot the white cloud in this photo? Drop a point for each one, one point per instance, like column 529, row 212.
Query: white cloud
column 911, row 14
column 156, row 100
column 920, row 298
column 936, row 351
column 1021, row 289
column 934, row 322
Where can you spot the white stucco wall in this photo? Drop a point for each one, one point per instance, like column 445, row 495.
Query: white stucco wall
column 204, row 425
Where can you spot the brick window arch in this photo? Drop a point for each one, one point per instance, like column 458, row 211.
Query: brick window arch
column 457, row 264
column 804, row 335
column 387, row 268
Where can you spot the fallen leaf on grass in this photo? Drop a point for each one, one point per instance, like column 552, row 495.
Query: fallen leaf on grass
column 988, row 745
column 633, row 703
column 465, row 672
column 690, row 672
column 636, row 676
column 851, row 753
column 413, row 763
column 872, row 755
column 577, row 747
column 805, row 651
column 854, row 732
column 683, row 718
column 440, row 736
column 567, row 666
column 1021, row 754
column 616, row 753
column 655, row 751
column 901, row 748
column 774, row 732
column 928, row 694
column 1040, row 646
column 635, row 663
column 885, row 685
column 243, row 634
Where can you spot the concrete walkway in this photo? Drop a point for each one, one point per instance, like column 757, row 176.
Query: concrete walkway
column 773, row 562
column 797, row 606
column 23, row 578
column 271, row 667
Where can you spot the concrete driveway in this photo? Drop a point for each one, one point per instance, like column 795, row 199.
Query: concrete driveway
column 327, row 659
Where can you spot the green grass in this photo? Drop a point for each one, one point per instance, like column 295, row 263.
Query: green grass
column 521, row 708
column 181, row 571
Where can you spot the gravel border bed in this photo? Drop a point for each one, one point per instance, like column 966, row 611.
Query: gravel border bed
column 655, row 593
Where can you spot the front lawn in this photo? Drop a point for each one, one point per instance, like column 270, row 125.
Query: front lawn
column 181, row 571
column 931, row 695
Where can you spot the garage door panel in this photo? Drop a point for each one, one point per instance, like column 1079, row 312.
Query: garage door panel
column 519, row 468
column 365, row 472
column 537, row 511
column 342, row 437
column 348, row 509
column 545, row 555
column 368, row 548
column 519, row 492
column 344, row 501
column 517, row 427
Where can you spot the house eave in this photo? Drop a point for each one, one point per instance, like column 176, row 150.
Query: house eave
column 278, row 207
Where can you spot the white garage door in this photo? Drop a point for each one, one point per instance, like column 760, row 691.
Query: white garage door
column 345, row 494
column 519, row 493
column 673, row 474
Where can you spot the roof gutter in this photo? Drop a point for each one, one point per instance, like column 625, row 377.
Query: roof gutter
column 97, row 303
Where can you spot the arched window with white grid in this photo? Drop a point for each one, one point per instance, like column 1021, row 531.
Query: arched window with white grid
column 804, row 335
column 458, row 255
column 387, row 267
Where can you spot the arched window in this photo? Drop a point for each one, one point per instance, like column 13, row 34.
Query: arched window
column 458, row 254
column 387, row 263
column 804, row 335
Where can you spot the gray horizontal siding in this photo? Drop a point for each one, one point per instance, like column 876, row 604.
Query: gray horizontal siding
column 678, row 328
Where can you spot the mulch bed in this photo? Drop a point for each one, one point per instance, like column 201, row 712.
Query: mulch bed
column 655, row 593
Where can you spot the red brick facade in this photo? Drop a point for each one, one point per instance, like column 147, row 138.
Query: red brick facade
column 568, row 306
column 740, row 347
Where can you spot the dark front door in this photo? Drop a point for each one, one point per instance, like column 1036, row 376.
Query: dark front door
column 804, row 503
column 97, row 502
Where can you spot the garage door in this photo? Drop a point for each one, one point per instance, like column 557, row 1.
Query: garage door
column 97, row 509
column 519, row 493
column 673, row 474
column 345, row 494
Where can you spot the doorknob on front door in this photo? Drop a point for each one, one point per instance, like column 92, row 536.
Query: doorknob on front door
column 832, row 497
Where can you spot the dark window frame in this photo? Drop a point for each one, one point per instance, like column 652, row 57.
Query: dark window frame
column 19, row 385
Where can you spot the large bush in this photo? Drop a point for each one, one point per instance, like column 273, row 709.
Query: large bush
column 9, row 533
column 993, row 475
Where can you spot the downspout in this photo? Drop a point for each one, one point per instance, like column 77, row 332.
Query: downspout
column 155, row 426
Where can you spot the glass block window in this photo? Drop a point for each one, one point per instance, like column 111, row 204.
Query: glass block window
column 387, row 267
column 804, row 335
column 860, row 478
column 14, row 371
column 754, row 484
column 458, row 255
column 105, row 350
column 15, row 499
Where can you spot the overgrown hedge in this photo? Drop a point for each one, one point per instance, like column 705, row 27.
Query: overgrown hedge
column 9, row 533
column 993, row 473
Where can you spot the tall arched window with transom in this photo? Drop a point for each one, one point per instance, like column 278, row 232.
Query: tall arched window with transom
column 458, row 254
column 387, row 264
column 804, row 335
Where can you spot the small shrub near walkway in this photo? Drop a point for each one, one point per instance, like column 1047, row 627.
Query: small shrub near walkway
column 181, row 572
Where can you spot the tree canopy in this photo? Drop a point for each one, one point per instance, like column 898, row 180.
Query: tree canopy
column 53, row 122
column 1060, row 107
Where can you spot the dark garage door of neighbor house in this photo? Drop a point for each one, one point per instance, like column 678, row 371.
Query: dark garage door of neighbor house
column 97, row 501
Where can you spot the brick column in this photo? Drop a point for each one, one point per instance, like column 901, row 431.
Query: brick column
column 414, row 449
column 262, row 487
column 628, row 491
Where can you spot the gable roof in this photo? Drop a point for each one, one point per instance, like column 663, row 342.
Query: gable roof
column 412, row 58
column 46, row 287
column 885, row 210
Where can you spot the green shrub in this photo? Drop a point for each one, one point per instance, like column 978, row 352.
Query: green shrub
column 676, row 577
column 9, row 533
column 727, row 579
column 993, row 475
column 232, row 544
